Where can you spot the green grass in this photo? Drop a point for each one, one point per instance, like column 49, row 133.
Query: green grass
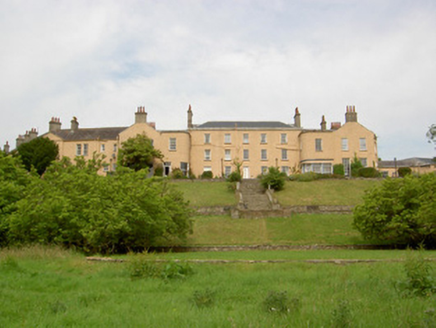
column 61, row 289
column 205, row 193
column 325, row 192
column 300, row 229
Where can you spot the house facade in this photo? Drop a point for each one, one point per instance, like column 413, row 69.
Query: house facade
column 217, row 145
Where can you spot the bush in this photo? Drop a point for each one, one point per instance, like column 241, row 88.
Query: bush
column 400, row 211
column 158, row 171
column 338, row 169
column 312, row 176
column 356, row 165
column 368, row 172
column 235, row 176
column 203, row 298
column 177, row 174
column 403, row 171
column 273, row 179
column 279, row 302
column 207, row 175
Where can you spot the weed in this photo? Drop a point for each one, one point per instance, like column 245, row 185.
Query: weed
column 58, row 307
column 419, row 280
column 142, row 267
column 341, row 315
column 174, row 270
column 203, row 298
column 278, row 301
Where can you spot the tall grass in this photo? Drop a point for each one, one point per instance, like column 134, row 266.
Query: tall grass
column 206, row 193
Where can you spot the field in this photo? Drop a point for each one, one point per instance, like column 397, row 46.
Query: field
column 46, row 287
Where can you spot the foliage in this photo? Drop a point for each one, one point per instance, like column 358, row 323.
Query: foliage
column 203, row 298
column 158, row 170
column 368, row 172
column 279, row 302
column 403, row 171
column 419, row 276
column 274, row 179
column 431, row 134
column 356, row 165
column 400, row 211
column 38, row 153
column 138, row 153
column 207, row 175
column 177, row 174
column 341, row 315
column 312, row 176
column 338, row 169
column 235, row 176
column 74, row 206
column 143, row 267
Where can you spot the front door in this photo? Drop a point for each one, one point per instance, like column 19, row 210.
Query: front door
column 246, row 172
column 167, row 168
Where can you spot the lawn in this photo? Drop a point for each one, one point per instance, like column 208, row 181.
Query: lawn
column 54, row 288
column 300, row 229
column 325, row 192
column 206, row 193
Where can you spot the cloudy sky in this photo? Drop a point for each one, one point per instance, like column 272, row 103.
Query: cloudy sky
column 231, row 60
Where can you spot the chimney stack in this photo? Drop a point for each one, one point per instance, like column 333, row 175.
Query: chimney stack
column 140, row 115
column 190, row 114
column 74, row 124
column 33, row 134
column 54, row 124
column 6, row 148
column 297, row 119
column 335, row 125
column 19, row 141
column 351, row 115
column 323, row 124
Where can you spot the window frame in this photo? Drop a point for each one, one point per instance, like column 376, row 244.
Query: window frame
column 246, row 154
column 344, row 144
column 172, row 144
column 207, row 138
column 227, row 154
column 284, row 155
column 227, row 138
column 207, row 155
column 262, row 153
column 263, row 138
column 283, row 138
column 362, row 144
column 318, row 144
column 246, row 138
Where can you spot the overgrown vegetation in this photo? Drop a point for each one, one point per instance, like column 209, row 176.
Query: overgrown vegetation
column 38, row 154
column 274, row 179
column 138, row 153
column 400, row 211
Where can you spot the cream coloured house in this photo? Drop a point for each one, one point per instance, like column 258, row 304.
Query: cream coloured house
column 216, row 146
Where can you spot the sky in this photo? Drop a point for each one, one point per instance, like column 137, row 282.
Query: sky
column 231, row 60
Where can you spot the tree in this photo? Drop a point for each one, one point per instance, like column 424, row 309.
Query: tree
column 38, row 153
column 356, row 165
column 400, row 211
column 274, row 179
column 431, row 134
column 138, row 153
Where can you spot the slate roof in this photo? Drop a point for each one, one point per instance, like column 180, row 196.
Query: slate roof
column 90, row 134
column 243, row 124
column 408, row 162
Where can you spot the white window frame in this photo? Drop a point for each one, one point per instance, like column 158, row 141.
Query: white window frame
column 207, row 155
column 246, row 154
column 263, row 155
column 207, row 168
column 78, row 149
column 284, row 154
column 318, row 144
column 172, row 144
column 85, row 149
column 245, row 138
column 102, row 148
column 264, row 169
column 364, row 161
column 344, row 144
column 283, row 138
column 207, row 138
column 227, row 171
column 285, row 169
column 346, row 164
column 227, row 155
column 115, row 148
column 263, row 138
column 227, row 138
column 362, row 144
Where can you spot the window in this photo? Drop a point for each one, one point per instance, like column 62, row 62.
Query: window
column 227, row 171
column 246, row 154
column 263, row 155
column 285, row 169
column 227, row 138
column 115, row 148
column 344, row 144
column 227, row 155
column 78, row 150
column 323, row 168
column 264, row 169
column 364, row 162
column 263, row 138
column 207, row 138
column 284, row 154
column 173, row 144
column 102, row 148
column 245, row 138
column 184, row 168
column 283, row 138
column 106, row 168
column 346, row 164
column 114, row 167
column 207, row 168
column 207, row 154
column 362, row 143
column 85, row 149
column 318, row 144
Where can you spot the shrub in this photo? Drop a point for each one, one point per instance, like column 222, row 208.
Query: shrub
column 273, row 179
column 338, row 169
column 235, row 176
column 403, row 171
column 207, row 175
column 399, row 211
column 203, row 298
column 177, row 174
column 356, row 165
column 368, row 172
column 158, row 171
column 141, row 266
column 279, row 302
column 341, row 315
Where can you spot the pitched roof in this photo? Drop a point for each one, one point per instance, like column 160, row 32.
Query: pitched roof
column 408, row 162
column 243, row 124
column 90, row 134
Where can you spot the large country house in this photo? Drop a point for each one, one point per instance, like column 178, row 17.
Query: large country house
column 216, row 146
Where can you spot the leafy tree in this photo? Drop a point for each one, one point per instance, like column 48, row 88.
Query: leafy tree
column 38, row 153
column 138, row 153
column 403, row 171
column 338, row 169
column 274, row 179
column 356, row 165
column 431, row 134
column 400, row 211
column 368, row 172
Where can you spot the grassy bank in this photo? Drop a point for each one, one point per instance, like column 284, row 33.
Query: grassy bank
column 206, row 193
column 62, row 289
